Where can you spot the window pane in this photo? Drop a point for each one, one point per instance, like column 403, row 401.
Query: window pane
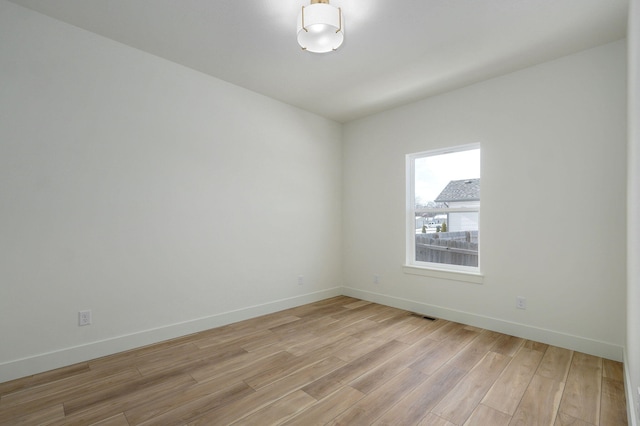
column 434, row 174
column 451, row 248
column 447, row 204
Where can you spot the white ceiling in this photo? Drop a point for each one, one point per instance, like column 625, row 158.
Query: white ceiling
column 395, row 51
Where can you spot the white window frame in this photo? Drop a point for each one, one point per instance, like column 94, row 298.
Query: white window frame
column 437, row 270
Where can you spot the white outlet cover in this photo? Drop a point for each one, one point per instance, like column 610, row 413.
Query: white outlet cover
column 84, row 318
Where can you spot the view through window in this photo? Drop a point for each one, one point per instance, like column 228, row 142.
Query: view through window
column 444, row 209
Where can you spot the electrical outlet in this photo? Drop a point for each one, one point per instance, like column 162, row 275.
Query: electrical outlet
column 376, row 279
column 84, row 318
column 521, row 302
column 300, row 280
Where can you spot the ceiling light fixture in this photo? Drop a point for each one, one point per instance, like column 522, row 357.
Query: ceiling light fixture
column 320, row 27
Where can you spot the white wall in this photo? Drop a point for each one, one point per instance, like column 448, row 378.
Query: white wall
column 632, row 359
column 553, row 141
column 164, row 200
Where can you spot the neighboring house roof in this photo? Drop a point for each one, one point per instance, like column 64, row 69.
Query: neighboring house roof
column 460, row 190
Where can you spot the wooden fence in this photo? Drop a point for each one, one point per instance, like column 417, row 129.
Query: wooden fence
column 452, row 248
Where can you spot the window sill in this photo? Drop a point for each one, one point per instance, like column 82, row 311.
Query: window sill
column 470, row 277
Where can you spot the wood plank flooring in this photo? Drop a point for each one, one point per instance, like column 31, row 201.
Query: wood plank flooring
column 341, row 361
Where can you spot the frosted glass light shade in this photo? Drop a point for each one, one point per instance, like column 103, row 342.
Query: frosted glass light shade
column 320, row 28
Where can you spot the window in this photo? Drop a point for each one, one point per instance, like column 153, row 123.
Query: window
column 443, row 200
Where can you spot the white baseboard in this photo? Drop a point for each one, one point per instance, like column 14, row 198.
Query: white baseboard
column 48, row 361
column 576, row 343
column 632, row 414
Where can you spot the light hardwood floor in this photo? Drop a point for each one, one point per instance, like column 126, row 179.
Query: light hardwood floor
column 341, row 361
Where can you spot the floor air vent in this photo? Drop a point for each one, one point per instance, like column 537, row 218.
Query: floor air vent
column 428, row 318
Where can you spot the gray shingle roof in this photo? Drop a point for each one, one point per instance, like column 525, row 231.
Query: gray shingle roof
column 460, row 190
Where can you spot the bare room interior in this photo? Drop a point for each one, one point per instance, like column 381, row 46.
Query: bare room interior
column 209, row 217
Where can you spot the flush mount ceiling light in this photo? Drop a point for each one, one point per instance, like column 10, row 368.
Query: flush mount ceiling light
column 320, row 27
